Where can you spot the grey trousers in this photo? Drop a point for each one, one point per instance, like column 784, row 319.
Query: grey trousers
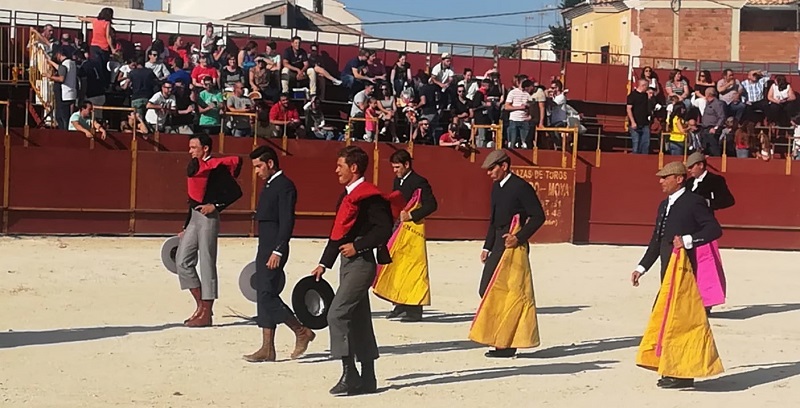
column 350, row 317
column 198, row 247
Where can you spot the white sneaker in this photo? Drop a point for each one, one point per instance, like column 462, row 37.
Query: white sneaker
column 337, row 82
column 524, row 145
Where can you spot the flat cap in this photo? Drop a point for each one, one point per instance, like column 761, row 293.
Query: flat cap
column 695, row 158
column 496, row 156
column 672, row 169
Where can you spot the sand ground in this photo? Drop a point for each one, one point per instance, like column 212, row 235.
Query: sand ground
column 96, row 322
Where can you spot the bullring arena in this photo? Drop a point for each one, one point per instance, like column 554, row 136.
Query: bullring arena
column 96, row 322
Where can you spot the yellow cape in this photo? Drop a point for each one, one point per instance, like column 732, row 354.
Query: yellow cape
column 405, row 281
column 678, row 341
column 506, row 317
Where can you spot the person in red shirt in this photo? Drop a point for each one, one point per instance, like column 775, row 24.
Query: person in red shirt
column 177, row 48
column 284, row 118
column 203, row 70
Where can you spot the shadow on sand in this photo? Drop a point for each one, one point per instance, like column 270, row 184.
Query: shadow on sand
column 762, row 375
column 751, row 311
column 588, row 347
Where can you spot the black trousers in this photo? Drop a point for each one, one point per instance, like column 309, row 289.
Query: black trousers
column 269, row 284
column 350, row 316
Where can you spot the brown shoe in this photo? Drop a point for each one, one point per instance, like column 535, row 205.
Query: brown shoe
column 303, row 336
column 203, row 319
column 198, row 300
column 267, row 350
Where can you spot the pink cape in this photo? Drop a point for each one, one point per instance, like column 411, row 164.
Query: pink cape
column 710, row 275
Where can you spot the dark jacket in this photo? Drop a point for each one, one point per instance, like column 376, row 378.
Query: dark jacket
column 515, row 197
column 372, row 230
column 412, row 182
column 275, row 215
column 714, row 189
column 689, row 215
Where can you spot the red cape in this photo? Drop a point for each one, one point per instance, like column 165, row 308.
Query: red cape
column 347, row 213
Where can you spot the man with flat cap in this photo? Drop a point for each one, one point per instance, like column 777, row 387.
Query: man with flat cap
column 511, row 196
column 684, row 220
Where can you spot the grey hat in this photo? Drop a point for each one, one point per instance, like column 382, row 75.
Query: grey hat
column 496, row 156
column 672, row 169
column 695, row 158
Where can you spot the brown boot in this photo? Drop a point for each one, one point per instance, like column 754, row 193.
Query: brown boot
column 303, row 336
column 203, row 319
column 198, row 300
column 267, row 350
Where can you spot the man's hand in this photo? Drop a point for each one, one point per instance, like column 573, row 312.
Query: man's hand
column 484, row 255
column 511, row 240
column 347, row 250
column 180, row 234
column 274, row 261
column 88, row 134
column 635, row 278
column 405, row 216
column 102, row 133
column 677, row 242
column 300, row 75
column 318, row 271
column 206, row 209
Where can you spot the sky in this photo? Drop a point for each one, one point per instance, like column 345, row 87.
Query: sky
column 484, row 31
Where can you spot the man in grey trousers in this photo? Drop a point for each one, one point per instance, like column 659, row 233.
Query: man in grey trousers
column 212, row 188
column 361, row 230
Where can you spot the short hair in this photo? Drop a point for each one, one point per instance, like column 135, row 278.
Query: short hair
column 265, row 153
column 86, row 105
column 297, row 37
column 467, row 70
column 283, row 95
column 204, row 139
column 710, row 91
column 401, row 156
column 355, row 155
column 526, row 83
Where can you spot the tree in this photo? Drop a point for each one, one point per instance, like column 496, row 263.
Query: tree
column 508, row 52
column 562, row 39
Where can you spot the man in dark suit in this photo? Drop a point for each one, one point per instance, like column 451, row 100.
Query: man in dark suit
column 683, row 221
column 511, row 195
column 275, row 216
column 407, row 182
column 708, row 185
column 362, row 228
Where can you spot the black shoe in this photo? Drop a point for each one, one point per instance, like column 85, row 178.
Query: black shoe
column 675, row 383
column 412, row 317
column 350, row 380
column 396, row 312
column 369, row 385
column 501, row 353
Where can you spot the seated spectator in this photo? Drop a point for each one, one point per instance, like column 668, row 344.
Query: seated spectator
column 209, row 105
column 387, row 105
column 203, row 70
column 353, row 73
column 558, row 115
column 453, row 139
column 730, row 92
column 261, row 80
column 178, row 73
column 704, row 81
column 375, row 68
column 154, row 63
column 462, row 107
column 159, row 107
column 314, row 61
column 423, row 133
column 273, row 58
column 239, row 125
column 480, row 109
column 230, row 74
column 143, row 83
column 677, row 86
column 296, row 68
column 177, row 48
column 247, row 58
column 401, row 74
column 315, row 120
column 650, row 75
column 470, row 83
column 780, row 96
column 756, row 101
column 81, row 121
column 284, row 119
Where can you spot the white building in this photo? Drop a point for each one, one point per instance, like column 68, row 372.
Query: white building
column 539, row 47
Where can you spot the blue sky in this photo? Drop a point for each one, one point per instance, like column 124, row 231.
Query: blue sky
column 486, row 31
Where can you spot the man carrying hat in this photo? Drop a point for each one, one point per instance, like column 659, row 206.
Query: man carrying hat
column 713, row 188
column 511, row 196
column 683, row 221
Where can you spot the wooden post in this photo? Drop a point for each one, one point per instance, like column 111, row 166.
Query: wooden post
column 134, row 165
column 6, row 173
column 597, row 153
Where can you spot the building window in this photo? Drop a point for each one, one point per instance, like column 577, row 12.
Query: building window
column 272, row 21
column 753, row 19
column 318, row 6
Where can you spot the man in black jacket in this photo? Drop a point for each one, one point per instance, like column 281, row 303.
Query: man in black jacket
column 407, row 182
column 212, row 187
column 362, row 228
column 708, row 185
column 275, row 216
column 511, row 195
column 684, row 221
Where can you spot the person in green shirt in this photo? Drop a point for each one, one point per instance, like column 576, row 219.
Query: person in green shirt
column 210, row 104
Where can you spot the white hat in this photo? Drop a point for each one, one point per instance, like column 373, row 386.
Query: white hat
column 446, row 55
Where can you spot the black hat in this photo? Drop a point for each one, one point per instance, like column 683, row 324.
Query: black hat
column 311, row 300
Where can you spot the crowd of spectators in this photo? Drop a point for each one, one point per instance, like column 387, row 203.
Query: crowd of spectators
column 713, row 114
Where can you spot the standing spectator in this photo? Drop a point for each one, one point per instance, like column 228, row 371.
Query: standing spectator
column 442, row 75
column 247, row 58
column 142, row 84
column 518, row 117
column 780, row 96
column 66, row 75
column 558, row 109
column 650, row 75
column 209, row 106
column 296, row 68
column 81, row 121
column 284, row 119
column 427, row 101
column 480, row 109
column 401, row 74
column 208, row 41
column 388, row 107
column 730, row 91
column 177, row 48
column 638, row 118
column 182, row 120
column 713, row 119
column 470, row 83
column 159, row 106
column 676, row 144
column 97, row 78
column 375, row 68
column 101, row 34
column 238, row 103
column 756, row 101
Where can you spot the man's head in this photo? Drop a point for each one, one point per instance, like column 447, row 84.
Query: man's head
column 238, row 89
column 265, row 162
column 727, row 74
column 284, row 100
column 446, row 60
column 467, row 74
column 672, row 176
column 461, row 92
column 696, row 164
column 711, row 93
column 368, row 88
column 497, row 165
column 424, row 124
column 526, row 85
column 351, row 164
column 86, row 109
column 166, row 89
column 296, row 43
column 208, row 83
column 199, row 145
column 401, row 163
column 641, row 85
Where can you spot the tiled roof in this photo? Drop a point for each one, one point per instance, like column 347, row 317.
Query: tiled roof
column 771, row 2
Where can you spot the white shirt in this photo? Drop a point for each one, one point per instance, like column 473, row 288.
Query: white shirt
column 69, row 88
column 698, row 180
column 158, row 118
column 505, row 179
column 402, row 179
column 470, row 88
column 687, row 239
column 518, row 98
column 442, row 74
